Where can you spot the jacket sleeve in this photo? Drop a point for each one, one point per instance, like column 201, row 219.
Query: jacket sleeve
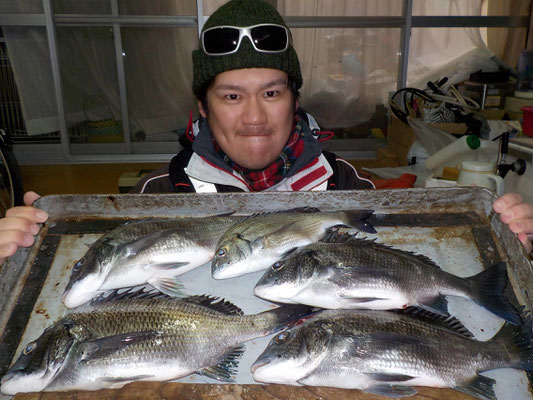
column 157, row 181
column 345, row 175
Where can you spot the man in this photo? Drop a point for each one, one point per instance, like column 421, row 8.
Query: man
column 252, row 135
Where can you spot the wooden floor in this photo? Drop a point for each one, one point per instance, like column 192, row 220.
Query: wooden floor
column 92, row 178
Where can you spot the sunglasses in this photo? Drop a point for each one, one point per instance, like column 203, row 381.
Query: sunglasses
column 266, row 38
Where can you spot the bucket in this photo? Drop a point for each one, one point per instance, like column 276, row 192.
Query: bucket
column 527, row 120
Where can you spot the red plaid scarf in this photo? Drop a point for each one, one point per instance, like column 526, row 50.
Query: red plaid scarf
column 265, row 178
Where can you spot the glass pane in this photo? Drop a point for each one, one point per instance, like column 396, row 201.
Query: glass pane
column 27, row 102
column 447, row 7
column 22, row 7
column 81, row 7
column 435, row 53
column 342, row 8
column 313, row 8
column 157, row 7
column 348, row 76
column 90, row 85
column 158, row 68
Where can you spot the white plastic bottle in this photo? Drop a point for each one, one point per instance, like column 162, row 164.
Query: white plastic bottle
column 466, row 148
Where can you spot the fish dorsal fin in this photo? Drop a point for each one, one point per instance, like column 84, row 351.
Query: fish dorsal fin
column 479, row 386
column 131, row 293
column 226, row 369
column 302, row 210
column 215, row 303
column 448, row 322
column 336, row 237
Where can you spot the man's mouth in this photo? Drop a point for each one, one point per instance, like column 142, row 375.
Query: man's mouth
column 254, row 132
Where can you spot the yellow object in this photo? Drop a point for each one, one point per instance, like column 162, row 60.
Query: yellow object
column 450, row 174
column 377, row 133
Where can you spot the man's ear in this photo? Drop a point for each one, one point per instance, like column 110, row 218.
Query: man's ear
column 201, row 109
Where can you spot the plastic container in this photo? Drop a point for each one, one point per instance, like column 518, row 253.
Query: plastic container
column 527, row 120
column 465, row 148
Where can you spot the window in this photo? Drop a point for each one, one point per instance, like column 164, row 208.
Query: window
column 128, row 63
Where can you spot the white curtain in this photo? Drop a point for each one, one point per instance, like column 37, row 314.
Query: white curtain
column 347, row 72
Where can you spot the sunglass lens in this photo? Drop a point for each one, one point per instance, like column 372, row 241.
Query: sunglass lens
column 220, row 40
column 269, row 38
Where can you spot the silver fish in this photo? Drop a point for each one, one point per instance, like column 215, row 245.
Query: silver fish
column 144, row 336
column 356, row 273
column 387, row 353
column 148, row 251
column 256, row 242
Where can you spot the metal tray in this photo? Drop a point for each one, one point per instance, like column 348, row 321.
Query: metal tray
column 454, row 226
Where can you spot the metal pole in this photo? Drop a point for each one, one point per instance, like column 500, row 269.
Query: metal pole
column 56, row 76
column 119, row 56
column 200, row 15
column 405, row 38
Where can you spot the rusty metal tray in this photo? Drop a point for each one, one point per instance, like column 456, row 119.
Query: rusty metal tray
column 454, row 226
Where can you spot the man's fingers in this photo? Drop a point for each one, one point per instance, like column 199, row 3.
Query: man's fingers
column 526, row 241
column 31, row 213
column 30, row 197
column 506, row 201
column 7, row 250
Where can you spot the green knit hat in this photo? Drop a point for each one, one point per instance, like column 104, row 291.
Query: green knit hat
column 243, row 13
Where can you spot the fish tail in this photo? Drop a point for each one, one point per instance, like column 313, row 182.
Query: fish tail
column 285, row 316
column 488, row 290
column 359, row 219
column 518, row 342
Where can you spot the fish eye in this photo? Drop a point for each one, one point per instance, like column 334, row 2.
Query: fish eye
column 221, row 252
column 282, row 337
column 78, row 264
column 28, row 349
column 277, row 265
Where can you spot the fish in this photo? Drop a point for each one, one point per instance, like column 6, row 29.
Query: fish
column 152, row 251
column 387, row 353
column 256, row 242
column 348, row 272
column 141, row 335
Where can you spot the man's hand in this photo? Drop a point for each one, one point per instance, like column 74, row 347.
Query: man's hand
column 518, row 215
column 19, row 226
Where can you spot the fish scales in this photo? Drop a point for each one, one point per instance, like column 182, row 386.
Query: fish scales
column 387, row 353
column 257, row 241
column 357, row 273
column 113, row 342
column 148, row 251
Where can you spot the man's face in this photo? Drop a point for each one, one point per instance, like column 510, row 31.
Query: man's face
column 251, row 112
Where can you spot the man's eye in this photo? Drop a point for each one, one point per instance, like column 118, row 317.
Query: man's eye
column 232, row 96
column 271, row 93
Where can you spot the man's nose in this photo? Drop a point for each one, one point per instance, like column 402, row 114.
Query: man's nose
column 254, row 112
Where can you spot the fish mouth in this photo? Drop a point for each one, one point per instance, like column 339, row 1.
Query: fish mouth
column 258, row 364
column 7, row 377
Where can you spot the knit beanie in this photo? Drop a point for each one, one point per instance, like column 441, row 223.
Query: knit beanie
column 243, row 13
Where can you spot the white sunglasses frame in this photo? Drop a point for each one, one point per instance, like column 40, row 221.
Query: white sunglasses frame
column 246, row 31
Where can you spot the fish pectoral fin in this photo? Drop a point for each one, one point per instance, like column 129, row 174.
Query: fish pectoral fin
column 147, row 241
column 169, row 286
column 479, row 386
column 384, row 377
column 226, row 369
column 437, row 305
column 120, row 379
column 169, row 265
column 105, row 346
column 361, row 300
column 391, row 390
